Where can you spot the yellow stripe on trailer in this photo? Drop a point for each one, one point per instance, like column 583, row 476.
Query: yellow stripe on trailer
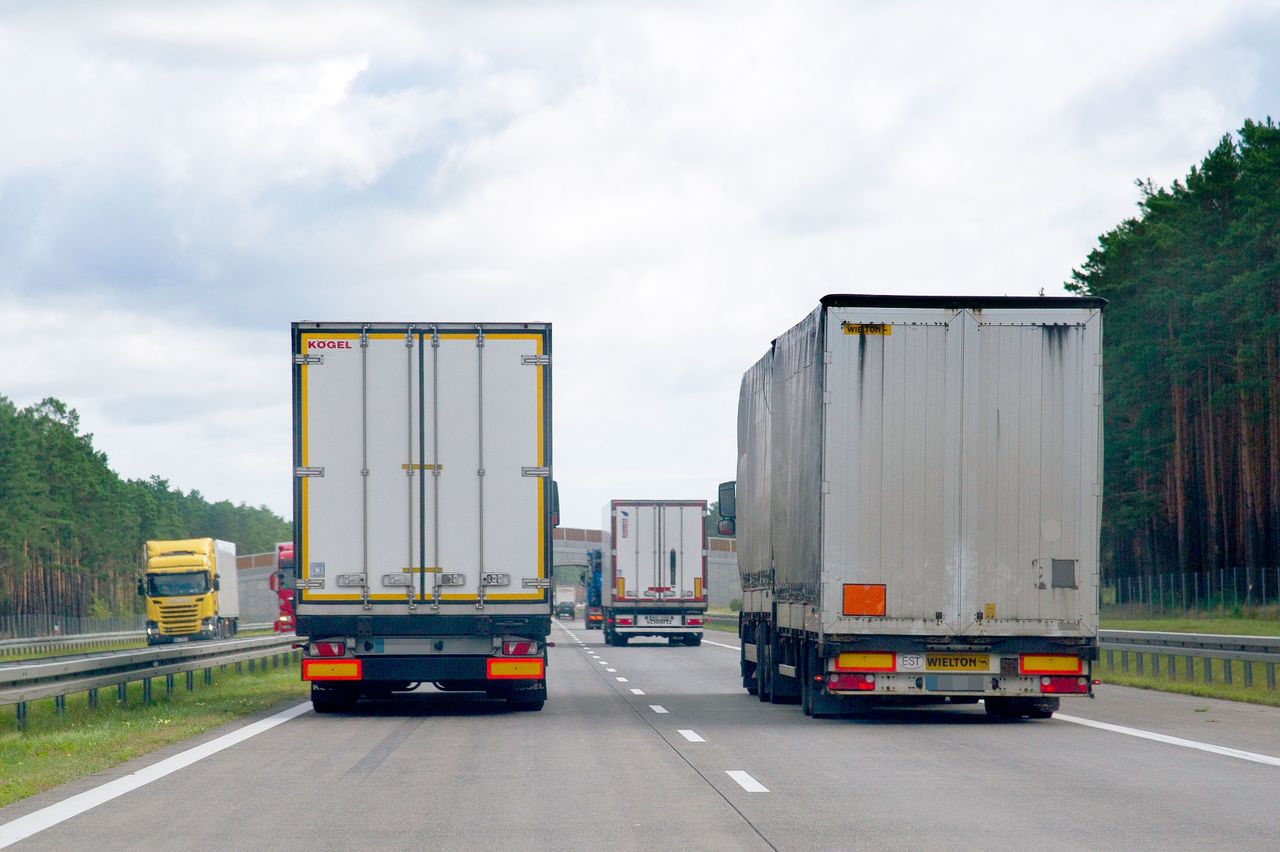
column 331, row 669
column 499, row 669
column 874, row 662
column 1051, row 664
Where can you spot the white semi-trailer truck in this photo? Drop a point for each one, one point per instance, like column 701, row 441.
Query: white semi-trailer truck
column 655, row 570
column 424, row 506
column 917, row 504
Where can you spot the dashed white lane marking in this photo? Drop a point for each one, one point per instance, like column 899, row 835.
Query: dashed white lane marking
column 746, row 782
column 692, row 737
column 603, row 662
column 1178, row 741
column 637, row 691
column 23, row 827
column 620, row 679
column 706, row 641
column 611, row 670
column 657, row 708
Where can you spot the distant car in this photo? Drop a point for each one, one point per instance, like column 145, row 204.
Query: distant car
column 565, row 609
column 593, row 618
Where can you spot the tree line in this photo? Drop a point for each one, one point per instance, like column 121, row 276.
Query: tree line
column 1192, row 365
column 71, row 530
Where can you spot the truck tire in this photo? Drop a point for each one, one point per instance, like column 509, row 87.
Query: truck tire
column 745, row 667
column 525, row 706
column 331, row 700
column 693, row 641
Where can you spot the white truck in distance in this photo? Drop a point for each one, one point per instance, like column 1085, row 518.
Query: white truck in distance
column 424, row 506
column 654, row 580
column 918, row 502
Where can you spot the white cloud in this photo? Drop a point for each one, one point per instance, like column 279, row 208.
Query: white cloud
column 671, row 185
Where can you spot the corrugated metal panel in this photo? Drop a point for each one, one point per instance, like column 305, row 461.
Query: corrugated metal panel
column 891, row 514
column 962, row 453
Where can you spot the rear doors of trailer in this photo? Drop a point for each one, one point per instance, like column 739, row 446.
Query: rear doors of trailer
column 962, row 469
column 422, row 459
column 658, row 551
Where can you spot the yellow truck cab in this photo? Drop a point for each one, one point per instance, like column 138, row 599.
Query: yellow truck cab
column 191, row 589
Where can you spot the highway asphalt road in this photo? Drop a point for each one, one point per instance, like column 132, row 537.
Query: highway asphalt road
column 656, row 747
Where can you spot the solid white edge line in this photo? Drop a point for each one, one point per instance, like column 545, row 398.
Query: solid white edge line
column 691, row 736
column 658, row 708
column 637, row 691
column 47, row 817
column 706, row 641
column 746, row 782
column 1178, row 741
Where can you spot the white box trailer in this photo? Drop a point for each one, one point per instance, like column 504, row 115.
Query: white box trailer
column 918, row 503
column 654, row 581
column 423, row 499
column 227, row 571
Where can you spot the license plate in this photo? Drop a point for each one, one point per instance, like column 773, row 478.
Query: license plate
column 957, row 662
column 657, row 619
column 954, row 683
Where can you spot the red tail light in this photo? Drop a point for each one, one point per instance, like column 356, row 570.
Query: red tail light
column 692, row 621
column 624, row 621
column 327, row 649
column 520, row 648
column 1064, row 685
column 845, row 682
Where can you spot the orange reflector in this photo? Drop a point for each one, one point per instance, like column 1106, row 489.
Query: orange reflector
column 622, row 587
column 697, row 588
column 331, row 669
column 1050, row 664
column 522, row 669
column 863, row 599
column 879, row 662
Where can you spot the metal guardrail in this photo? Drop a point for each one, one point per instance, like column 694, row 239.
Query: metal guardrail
column 81, row 641
column 1206, row 647
column 21, row 683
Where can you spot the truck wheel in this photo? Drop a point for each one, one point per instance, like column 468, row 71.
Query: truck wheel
column 330, row 700
column 693, row 641
column 1003, row 708
column 525, row 706
column 806, row 679
column 746, row 668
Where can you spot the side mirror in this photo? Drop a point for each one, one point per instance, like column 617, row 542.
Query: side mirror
column 727, row 528
column 555, row 503
column 728, row 497
column 142, row 589
column 217, row 583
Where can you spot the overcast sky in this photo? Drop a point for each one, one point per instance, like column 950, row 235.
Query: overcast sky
column 670, row 184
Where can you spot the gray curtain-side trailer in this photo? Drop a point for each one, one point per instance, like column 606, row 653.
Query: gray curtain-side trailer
column 917, row 504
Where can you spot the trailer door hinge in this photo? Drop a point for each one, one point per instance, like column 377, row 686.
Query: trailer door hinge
column 536, row 360
column 535, row 471
column 309, row 584
column 826, row 486
column 536, row 582
column 308, row 360
column 308, row 471
column 826, row 397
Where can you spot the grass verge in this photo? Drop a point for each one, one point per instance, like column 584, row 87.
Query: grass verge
column 1226, row 626
column 57, row 748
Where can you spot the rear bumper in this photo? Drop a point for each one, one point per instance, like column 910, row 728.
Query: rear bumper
column 427, row 669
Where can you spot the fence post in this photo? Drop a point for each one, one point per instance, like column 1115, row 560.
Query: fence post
column 1226, row 671
column 1208, row 669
